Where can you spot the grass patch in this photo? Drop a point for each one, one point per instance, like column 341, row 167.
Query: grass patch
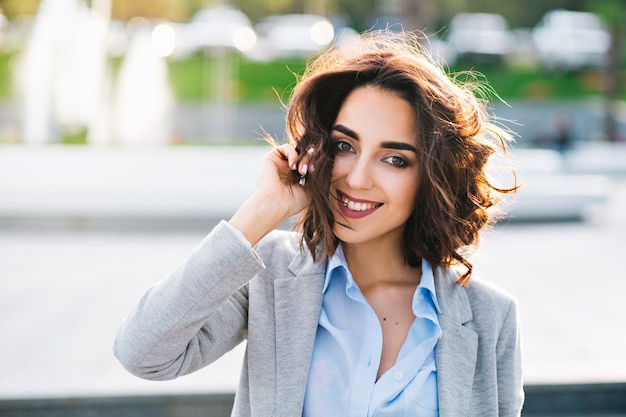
column 257, row 82
column 195, row 79
column 269, row 81
column 7, row 83
column 536, row 83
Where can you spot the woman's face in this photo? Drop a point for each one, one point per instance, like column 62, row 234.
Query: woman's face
column 375, row 174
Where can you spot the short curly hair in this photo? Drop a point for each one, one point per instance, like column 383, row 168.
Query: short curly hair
column 455, row 136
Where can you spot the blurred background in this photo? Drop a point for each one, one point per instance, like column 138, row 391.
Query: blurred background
column 129, row 128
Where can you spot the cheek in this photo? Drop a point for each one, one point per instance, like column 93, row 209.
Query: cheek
column 340, row 168
column 406, row 190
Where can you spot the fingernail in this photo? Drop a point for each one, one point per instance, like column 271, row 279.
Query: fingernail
column 305, row 169
column 294, row 166
column 312, row 169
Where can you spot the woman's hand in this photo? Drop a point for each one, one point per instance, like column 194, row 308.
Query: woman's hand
column 279, row 195
column 276, row 183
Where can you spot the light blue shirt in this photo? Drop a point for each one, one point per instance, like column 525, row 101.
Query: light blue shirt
column 348, row 346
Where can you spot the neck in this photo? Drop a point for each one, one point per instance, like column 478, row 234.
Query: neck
column 376, row 263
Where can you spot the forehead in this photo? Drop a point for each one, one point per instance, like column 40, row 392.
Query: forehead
column 375, row 112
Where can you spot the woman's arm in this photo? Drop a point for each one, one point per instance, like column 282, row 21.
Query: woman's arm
column 196, row 314
column 199, row 312
column 276, row 197
column 509, row 365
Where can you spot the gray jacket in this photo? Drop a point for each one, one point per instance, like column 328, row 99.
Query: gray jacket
column 226, row 292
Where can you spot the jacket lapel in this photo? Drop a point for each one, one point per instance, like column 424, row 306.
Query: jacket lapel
column 298, row 301
column 456, row 351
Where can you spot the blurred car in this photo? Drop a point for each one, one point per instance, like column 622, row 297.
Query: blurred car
column 293, row 35
column 483, row 37
column 217, row 27
column 571, row 40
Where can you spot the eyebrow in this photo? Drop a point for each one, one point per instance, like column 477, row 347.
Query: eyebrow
column 401, row 146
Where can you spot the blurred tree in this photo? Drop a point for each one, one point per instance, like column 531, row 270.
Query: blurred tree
column 13, row 8
column 358, row 13
column 613, row 12
column 420, row 14
column 256, row 9
column 519, row 13
column 175, row 10
column 121, row 9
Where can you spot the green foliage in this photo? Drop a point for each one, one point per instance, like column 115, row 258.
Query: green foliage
column 537, row 83
column 613, row 12
column 194, row 78
column 520, row 13
column 270, row 81
column 76, row 136
column 151, row 9
column 273, row 81
column 13, row 8
column 186, row 78
column 7, row 82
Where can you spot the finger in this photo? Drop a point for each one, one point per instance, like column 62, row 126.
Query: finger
column 304, row 164
column 292, row 156
column 287, row 153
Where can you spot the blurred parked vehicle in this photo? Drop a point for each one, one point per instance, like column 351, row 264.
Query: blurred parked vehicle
column 292, row 35
column 482, row 37
column 216, row 27
column 571, row 40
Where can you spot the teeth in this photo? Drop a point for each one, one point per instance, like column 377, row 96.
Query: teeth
column 358, row 206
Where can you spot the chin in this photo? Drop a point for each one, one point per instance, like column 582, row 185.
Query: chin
column 347, row 235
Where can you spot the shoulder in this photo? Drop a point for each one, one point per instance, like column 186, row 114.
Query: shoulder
column 486, row 293
column 478, row 288
column 485, row 300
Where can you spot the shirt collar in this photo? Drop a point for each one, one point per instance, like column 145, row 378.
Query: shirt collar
column 426, row 285
column 338, row 260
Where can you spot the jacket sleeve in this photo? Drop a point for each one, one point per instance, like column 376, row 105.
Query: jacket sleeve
column 195, row 315
column 509, row 365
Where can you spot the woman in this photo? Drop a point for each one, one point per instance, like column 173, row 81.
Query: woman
column 367, row 309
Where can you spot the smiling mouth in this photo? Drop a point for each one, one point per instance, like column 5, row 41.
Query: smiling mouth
column 358, row 207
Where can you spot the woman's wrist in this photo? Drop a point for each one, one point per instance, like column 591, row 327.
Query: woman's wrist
column 258, row 216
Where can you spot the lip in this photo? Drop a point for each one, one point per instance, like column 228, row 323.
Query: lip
column 352, row 214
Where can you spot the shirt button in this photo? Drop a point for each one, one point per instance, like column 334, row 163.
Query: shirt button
column 398, row 376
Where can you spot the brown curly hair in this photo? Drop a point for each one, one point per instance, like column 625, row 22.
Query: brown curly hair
column 455, row 139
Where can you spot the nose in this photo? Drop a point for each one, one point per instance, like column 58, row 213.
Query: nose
column 360, row 175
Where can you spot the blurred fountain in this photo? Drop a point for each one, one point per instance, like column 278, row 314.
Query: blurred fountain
column 62, row 70
column 66, row 86
column 144, row 101
column 220, row 108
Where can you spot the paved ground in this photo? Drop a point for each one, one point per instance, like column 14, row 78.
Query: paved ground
column 63, row 292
